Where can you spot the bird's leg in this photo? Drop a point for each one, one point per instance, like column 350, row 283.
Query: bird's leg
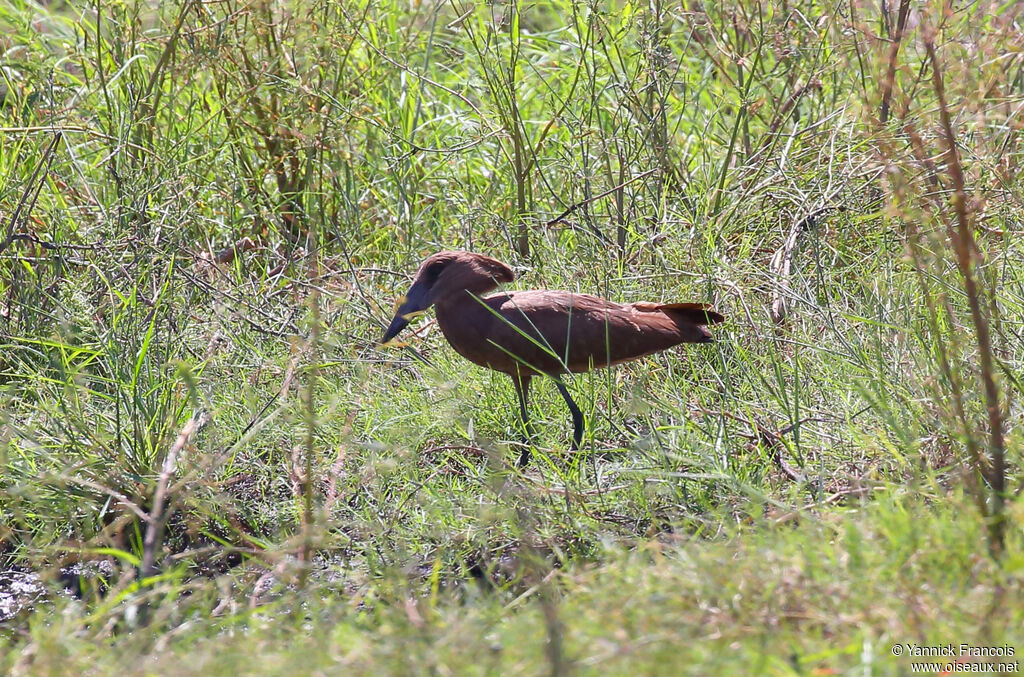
column 522, row 383
column 577, row 415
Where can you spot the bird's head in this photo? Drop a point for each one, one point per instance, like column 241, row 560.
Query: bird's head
column 443, row 276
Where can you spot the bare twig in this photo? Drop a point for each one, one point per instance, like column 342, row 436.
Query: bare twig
column 259, row 419
column 890, row 76
column 117, row 495
column 337, row 466
column 286, row 324
column 782, row 262
column 32, row 188
column 773, row 441
column 770, row 438
column 157, row 516
column 229, row 254
column 584, row 203
column 967, row 255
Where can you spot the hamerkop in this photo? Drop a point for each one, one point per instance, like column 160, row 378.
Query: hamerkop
column 526, row 333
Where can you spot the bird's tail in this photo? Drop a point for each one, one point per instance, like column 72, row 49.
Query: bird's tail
column 698, row 313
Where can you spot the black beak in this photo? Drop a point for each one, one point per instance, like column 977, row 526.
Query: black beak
column 416, row 301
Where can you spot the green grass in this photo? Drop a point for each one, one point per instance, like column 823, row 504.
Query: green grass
column 341, row 505
column 754, row 601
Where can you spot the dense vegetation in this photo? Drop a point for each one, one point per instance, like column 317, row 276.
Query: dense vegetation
column 209, row 208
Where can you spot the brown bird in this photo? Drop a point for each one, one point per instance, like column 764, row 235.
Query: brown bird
column 526, row 333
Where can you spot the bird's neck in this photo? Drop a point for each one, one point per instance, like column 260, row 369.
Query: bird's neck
column 456, row 308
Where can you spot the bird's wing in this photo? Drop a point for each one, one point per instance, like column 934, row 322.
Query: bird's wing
column 557, row 331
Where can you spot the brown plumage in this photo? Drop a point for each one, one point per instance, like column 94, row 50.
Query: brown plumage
column 526, row 333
